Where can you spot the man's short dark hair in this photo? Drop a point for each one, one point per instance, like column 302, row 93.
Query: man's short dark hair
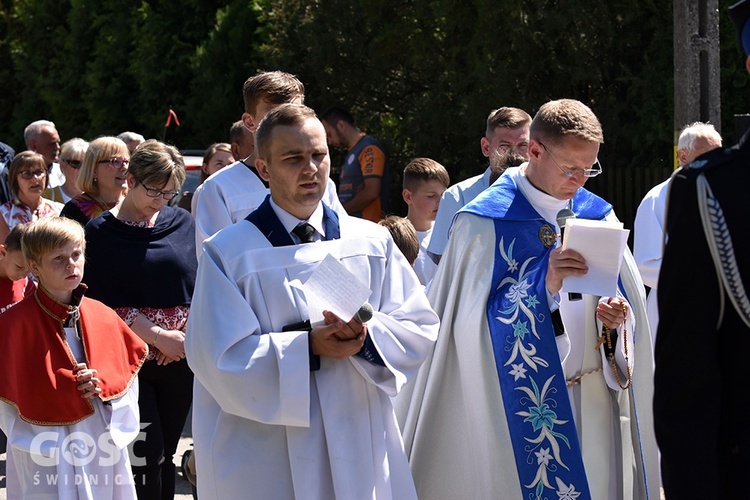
column 237, row 132
column 275, row 87
column 506, row 117
column 334, row 115
column 284, row 116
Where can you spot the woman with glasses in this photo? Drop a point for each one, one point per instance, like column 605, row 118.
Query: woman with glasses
column 101, row 180
column 71, row 158
column 140, row 260
column 27, row 176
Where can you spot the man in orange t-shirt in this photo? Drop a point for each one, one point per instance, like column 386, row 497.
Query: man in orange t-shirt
column 364, row 181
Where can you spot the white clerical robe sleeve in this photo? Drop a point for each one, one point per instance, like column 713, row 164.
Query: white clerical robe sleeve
column 211, row 214
column 648, row 239
column 403, row 328
column 256, row 376
column 624, row 351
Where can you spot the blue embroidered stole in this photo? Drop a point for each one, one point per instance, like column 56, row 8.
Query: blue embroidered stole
column 265, row 219
column 532, row 383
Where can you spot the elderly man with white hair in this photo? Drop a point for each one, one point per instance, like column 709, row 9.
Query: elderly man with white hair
column 41, row 136
column 695, row 139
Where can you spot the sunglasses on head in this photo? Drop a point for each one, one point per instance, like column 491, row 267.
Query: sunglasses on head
column 76, row 164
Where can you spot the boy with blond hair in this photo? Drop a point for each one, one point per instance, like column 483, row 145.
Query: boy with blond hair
column 68, row 432
column 423, row 185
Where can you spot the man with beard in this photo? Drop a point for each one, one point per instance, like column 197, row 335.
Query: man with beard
column 364, row 182
column 507, row 131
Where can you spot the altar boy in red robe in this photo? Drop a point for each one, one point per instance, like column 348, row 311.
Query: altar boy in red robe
column 68, row 385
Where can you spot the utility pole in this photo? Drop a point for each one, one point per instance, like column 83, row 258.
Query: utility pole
column 697, row 66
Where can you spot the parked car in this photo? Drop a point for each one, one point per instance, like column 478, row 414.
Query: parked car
column 193, row 159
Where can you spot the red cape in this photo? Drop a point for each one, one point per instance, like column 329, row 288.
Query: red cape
column 36, row 363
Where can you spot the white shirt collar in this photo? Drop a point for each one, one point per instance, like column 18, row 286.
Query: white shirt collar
column 289, row 221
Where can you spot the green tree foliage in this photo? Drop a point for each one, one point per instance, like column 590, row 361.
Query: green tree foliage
column 9, row 94
column 108, row 84
column 219, row 66
column 420, row 75
column 102, row 67
column 734, row 77
column 425, row 75
column 36, row 54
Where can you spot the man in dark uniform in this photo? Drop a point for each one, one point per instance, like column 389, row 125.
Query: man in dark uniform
column 702, row 395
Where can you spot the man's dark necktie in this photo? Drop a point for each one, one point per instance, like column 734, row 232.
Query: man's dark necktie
column 304, row 232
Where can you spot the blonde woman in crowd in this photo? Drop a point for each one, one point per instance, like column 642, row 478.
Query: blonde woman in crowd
column 102, row 180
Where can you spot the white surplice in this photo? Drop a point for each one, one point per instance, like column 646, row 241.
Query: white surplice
column 230, row 195
column 455, row 430
column 264, row 425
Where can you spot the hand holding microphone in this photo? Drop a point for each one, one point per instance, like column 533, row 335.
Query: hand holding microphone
column 355, row 326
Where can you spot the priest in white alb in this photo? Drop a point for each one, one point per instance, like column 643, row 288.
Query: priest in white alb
column 283, row 410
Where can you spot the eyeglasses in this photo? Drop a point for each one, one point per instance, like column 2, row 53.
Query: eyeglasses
column 115, row 162
column 28, row 174
column 76, row 164
column 595, row 169
column 155, row 193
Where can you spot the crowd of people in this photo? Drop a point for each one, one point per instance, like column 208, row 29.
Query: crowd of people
column 330, row 350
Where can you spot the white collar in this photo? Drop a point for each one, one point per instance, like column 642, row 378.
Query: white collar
column 546, row 205
column 289, row 221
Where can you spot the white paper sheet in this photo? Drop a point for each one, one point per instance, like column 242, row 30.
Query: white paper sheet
column 332, row 287
column 602, row 244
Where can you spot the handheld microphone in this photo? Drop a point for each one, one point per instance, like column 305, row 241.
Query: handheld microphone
column 562, row 216
column 364, row 314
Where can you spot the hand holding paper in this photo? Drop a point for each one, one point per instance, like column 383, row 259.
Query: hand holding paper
column 332, row 287
column 602, row 245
